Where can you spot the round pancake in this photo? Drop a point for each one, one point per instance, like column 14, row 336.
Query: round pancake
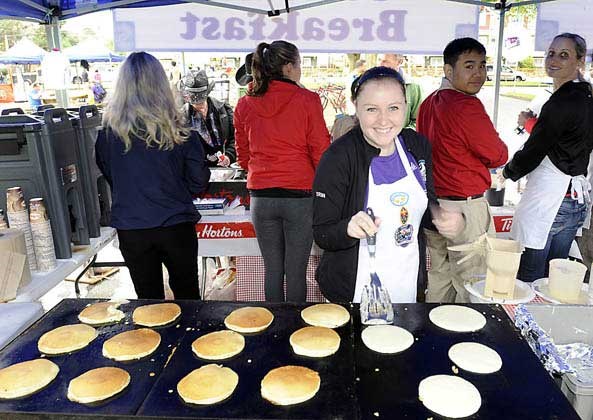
column 101, row 313
column 97, row 384
column 249, row 319
column 156, row 314
column 66, row 339
column 457, row 318
column 26, row 378
column 475, row 357
column 327, row 315
column 289, row 385
column 218, row 345
column 387, row 338
column 208, row 385
column 449, row 396
column 131, row 345
column 315, row 341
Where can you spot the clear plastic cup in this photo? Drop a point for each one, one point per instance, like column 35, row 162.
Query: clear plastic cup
column 566, row 279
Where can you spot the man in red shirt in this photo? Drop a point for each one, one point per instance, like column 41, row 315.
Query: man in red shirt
column 465, row 145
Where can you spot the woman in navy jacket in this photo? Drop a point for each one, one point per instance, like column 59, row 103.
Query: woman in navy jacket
column 153, row 170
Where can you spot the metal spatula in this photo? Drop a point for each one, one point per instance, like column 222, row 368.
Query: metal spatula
column 375, row 303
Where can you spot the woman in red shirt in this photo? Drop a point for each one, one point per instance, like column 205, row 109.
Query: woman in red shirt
column 280, row 135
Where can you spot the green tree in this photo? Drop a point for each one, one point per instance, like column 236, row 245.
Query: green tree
column 528, row 12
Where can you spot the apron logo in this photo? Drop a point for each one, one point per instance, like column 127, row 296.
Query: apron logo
column 399, row 198
column 422, row 165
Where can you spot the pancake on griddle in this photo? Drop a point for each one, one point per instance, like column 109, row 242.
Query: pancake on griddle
column 66, row 339
column 315, row 341
column 249, row 319
column 26, row 378
column 131, row 345
column 156, row 314
column 218, row 345
column 327, row 315
column 289, row 385
column 208, row 385
column 97, row 384
column 101, row 313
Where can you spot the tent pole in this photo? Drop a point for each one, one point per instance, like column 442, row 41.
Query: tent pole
column 503, row 8
column 54, row 41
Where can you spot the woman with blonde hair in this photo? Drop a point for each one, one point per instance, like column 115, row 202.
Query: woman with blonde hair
column 280, row 135
column 555, row 157
column 144, row 153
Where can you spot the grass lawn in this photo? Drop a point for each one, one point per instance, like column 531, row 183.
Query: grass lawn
column 519, row 84
column 519, row 95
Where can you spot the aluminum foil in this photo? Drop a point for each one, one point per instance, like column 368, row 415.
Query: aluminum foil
column 541, row 343
column 579, row 357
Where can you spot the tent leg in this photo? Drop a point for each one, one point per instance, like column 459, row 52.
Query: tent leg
column 54, row 41
column 498, row 62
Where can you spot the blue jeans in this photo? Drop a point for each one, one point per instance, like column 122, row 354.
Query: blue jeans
column 535, row 262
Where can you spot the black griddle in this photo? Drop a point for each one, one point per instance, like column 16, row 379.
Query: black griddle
column 53, row 398
column 355, row 382
column 521, row 390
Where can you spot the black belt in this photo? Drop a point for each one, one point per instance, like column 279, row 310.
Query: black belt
column 473, row 197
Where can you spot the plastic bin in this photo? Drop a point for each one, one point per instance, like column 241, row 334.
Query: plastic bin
column 579, row 395
column 569, row 324
column 45, row 165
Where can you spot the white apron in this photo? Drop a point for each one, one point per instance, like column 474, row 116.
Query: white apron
column 396, row 265
column 539, row 204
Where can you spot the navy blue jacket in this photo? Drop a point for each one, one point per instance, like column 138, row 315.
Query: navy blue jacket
column 150, row 187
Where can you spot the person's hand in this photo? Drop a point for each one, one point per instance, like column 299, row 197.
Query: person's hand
column 223, row 160
column 361, row 225
column 524, row 116
column 500, row 179
column 449, row 223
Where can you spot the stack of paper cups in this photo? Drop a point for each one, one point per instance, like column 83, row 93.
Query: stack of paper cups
column 18, row 218
column 3, row 224
column 42, row 237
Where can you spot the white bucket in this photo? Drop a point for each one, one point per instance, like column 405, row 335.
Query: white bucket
column 566, row 279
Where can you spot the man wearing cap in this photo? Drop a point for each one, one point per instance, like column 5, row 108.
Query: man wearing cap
column 210, row 119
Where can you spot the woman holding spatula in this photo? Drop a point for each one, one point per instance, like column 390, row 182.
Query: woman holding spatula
column 380, row 166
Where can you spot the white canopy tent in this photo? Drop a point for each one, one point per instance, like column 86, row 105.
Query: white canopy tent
column 51, row 12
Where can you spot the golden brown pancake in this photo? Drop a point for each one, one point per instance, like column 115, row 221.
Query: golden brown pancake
column 249, row 319
column 327, row 315
column 208, row 385
column 218, row 345
column 131, row 345
column 315, row 341
column 97, row 384
column 101, row 313
column 288, row 385
column 66, row 339
column 26, row 378
column 156, row 314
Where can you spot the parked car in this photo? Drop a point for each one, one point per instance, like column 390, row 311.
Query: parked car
column 506, row 74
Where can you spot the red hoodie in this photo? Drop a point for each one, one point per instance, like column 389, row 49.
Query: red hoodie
column 280, row 136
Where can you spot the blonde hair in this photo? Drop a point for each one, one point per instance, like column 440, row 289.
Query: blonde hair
column 143, row 105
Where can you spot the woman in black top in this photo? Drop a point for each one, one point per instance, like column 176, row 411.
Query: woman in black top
column 555, row 157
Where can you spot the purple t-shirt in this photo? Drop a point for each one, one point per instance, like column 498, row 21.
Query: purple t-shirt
column 390, row 169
